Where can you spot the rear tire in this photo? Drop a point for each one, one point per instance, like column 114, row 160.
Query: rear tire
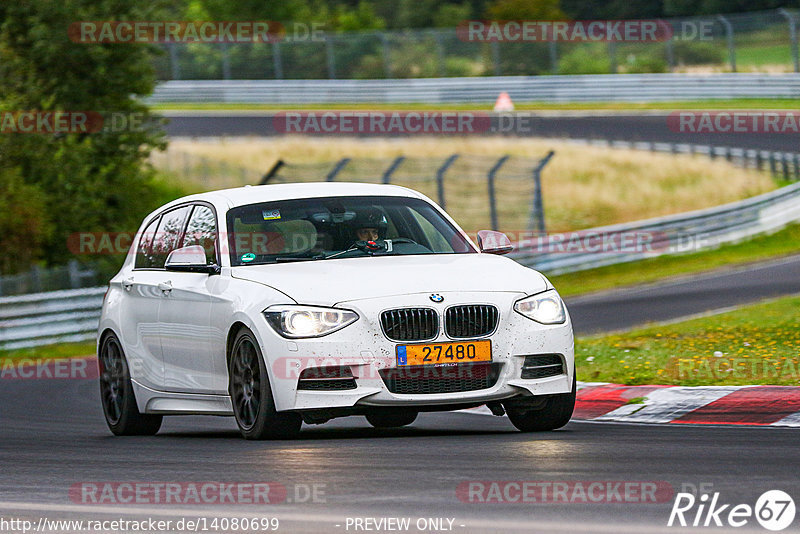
column 116, row 393
column 251, row 394
column 391, row 419
column 555, row 413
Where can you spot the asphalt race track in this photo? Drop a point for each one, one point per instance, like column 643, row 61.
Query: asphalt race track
column 52, row 436
column 691, row 295
column 638, row 127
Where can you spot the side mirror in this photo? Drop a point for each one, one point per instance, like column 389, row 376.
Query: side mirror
column 491, row 242
column 191, row 259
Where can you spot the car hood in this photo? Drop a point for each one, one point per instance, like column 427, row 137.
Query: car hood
column 326, row 282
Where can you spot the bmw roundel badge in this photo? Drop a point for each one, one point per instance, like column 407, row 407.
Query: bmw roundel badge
column 436, row 297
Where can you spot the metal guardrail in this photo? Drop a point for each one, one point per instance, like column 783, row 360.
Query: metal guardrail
column 52, row 317
column 684, row 232
column 575, row 88
column 72, row 315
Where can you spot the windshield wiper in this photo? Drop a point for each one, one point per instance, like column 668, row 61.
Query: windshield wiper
column 288, row 259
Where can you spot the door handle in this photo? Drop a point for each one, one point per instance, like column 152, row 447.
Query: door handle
column 166, row 287
column 127, row 283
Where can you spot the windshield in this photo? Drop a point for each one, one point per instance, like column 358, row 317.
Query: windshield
column 339, row 227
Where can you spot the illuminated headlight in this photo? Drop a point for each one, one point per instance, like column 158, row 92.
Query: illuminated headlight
column 307, row 321
column 545, row 308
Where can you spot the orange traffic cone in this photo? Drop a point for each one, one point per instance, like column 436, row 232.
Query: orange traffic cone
column 504, row 103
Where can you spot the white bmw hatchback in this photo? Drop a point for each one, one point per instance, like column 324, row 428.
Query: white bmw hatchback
column 285, row 304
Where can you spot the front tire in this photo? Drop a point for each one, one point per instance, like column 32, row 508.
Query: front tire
column 116, row 393
column 391, row 419
column 555, row 413
column 251, row 394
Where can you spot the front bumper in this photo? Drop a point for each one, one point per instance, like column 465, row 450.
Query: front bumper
column 365, row 350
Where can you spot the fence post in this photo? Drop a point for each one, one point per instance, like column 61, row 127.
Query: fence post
column 440, row 59
column 440, row 177
column 336, row 168
column 387, row 62
column 671, row 54
column 793, row 36
column 496, row 57
column 772, row 166
column 492, row 198
column 226, row 62
column 712, row 152
column 731, row 45
column 785, row 165
column 537, row 216
column 330, row 57
column 277, row 64
column 612, row 55
column 36, row 279
column 174, row 61
column 553, row 48
column 272, row 172
column 796, row 166
column 387, row 174
column 74, row 274
column 759, row 160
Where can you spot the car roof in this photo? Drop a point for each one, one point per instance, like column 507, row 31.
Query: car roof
column 240, row 196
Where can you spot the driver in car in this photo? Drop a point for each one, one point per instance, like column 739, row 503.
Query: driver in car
column 370, row 225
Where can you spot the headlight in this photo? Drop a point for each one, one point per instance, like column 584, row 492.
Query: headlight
column 545, row 308
column 307, row 321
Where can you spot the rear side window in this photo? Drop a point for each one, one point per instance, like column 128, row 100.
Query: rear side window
column 144, row 256
column 202, row 230
column 168, row 235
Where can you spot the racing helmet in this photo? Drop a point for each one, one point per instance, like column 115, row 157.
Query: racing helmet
column 370, row 218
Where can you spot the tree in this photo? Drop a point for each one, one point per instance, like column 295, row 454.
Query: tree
column 83, row 182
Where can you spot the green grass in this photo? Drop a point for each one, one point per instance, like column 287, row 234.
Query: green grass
column 758, row 344
column 57, row 351
column 742, row 103
column 764, row 55
column 782, row 243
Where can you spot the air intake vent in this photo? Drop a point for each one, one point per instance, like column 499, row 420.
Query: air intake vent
column 410, row 324
column 429, row 380
column 332, row 378
column 473, row 320
column 542, row 366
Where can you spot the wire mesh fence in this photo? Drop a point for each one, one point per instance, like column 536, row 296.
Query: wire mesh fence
column 479, row 192
column 763, row 41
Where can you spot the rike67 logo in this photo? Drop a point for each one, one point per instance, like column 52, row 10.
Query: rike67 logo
column 774, row 510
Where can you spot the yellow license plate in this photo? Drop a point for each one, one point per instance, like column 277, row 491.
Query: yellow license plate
column 444, row 353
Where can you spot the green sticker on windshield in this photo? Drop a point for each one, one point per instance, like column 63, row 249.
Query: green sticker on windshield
column 246, row 258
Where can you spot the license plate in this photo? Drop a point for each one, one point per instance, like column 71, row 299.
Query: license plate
column 444, row 353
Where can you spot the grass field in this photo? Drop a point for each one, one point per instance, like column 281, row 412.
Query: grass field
column 58, row 351
column 584, row 186
column 757, row 344
column 742, row 103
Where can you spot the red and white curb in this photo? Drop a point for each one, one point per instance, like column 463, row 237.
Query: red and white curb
column 777, row 406
column 703, row 405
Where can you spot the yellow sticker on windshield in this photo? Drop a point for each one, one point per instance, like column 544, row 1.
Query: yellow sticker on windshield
column 271, row 215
